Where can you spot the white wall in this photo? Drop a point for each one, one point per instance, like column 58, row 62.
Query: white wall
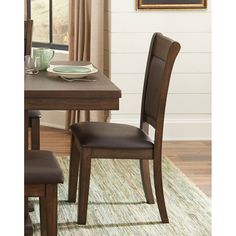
column 128, row 33
column 188, row 112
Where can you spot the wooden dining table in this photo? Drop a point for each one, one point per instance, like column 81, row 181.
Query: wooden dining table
column 47, row 91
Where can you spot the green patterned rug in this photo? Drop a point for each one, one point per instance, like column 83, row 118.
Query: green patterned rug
column 117, row 203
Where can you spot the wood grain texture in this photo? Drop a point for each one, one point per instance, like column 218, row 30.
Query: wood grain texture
column 49, row 85
column 49, row 92
column 193, row 158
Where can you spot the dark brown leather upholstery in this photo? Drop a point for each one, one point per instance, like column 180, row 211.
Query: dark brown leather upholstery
column 41, row 167
column 42, row 175
column 153, row 89
column 110, row 135
column 162, row 54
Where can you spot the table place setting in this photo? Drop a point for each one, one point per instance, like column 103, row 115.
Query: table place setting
column 72, row 73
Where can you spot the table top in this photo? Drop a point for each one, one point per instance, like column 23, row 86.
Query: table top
column 46, row 84
column 47, row 91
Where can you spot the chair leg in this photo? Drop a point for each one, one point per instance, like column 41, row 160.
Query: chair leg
column 106, row 116
column 145, row 176
column 68, row 119
column 73, row 117
column 78, row 116
column 26, row 134
column 26, row 208
column 43, row 215
column 157, row 170
column 87, row 115
column 35, row 134
column 51, row 203
column 85, row 169
column 74, row 169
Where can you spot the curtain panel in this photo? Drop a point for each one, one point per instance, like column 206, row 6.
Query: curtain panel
column 86, row 43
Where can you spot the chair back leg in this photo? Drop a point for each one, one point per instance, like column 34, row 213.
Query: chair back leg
column 145, row 176
column 74, row 170
column 85, row 169
column 35, row 134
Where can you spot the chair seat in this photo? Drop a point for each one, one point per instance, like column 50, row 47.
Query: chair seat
column 41, row 167
column 110, row 136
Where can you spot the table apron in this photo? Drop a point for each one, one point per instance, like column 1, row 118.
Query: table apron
column 72, row 104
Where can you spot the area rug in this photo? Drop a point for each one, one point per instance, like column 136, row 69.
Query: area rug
column 117, row 203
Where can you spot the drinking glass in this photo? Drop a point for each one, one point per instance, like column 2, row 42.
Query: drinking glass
column 32, row 65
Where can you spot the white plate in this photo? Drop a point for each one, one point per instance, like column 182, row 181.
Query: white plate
column 86, row 79
column 72, row 75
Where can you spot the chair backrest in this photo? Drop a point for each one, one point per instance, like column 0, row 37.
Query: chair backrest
column 28, row 28
column 161, row 58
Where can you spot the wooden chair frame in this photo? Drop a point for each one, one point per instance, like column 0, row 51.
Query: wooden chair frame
column 165, row 50
column 47, row 194
column 35, row 133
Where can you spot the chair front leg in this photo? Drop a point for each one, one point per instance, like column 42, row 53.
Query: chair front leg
column 85, row 169
column 145, row 176
column 43, row 215
column 74, row 169
column 51, row 209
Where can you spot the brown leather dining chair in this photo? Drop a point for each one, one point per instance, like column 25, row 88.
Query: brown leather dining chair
column 42, row 175
column 34, row 115
column 121, row 141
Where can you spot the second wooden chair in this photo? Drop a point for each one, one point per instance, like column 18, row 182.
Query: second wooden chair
column 42, row 174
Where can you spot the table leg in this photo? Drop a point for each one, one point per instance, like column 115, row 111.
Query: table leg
column 26, row 129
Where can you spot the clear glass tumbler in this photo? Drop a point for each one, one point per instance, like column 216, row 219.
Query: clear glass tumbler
column 32, row 65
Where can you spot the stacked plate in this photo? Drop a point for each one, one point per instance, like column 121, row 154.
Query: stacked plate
column 72, row 72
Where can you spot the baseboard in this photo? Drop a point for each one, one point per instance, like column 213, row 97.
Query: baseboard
column 52, row 125
column 174, row 129
column 54, row 119
column 179, row 129
column 187, row 130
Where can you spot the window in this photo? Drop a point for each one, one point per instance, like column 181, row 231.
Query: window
column 51, row 20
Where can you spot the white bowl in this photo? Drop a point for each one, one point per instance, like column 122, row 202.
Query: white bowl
column 72, row 75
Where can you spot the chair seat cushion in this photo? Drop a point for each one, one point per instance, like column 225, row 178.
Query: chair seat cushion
column 41, row 167
column 110, row 136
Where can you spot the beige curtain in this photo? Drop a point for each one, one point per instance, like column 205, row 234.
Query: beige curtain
column 86, row 42
column 25, row 9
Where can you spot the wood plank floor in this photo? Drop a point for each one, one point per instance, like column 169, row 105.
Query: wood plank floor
column 193, row 158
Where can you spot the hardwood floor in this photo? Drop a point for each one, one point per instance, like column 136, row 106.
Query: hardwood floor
column 193, row 158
